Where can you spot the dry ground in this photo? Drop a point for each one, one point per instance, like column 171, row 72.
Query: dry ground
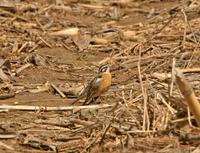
column 139, row 39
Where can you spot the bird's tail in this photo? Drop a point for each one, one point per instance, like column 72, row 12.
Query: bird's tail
column 82, row 95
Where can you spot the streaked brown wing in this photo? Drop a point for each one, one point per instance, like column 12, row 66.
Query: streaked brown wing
column 92, row 88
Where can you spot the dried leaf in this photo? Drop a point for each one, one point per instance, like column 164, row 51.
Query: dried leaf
column 99, row 41
column 37, row 60
column 8, row 6
column 66, row 32
column 82, row 41
column 45, row 87
column 129, row 35
column 5, row 70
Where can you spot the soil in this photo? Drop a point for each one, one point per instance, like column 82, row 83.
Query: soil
column 68, row 60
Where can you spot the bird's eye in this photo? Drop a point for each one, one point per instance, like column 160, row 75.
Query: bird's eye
column 103, row 68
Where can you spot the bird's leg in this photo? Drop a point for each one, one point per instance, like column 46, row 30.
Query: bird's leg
column 91, row 101
column 94, row 99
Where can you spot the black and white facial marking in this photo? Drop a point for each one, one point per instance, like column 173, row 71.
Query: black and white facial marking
column 104, row 68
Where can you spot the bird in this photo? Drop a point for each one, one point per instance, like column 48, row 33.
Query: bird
column 97, row 86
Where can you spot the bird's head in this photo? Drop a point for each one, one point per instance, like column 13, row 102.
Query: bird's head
column 104, row 68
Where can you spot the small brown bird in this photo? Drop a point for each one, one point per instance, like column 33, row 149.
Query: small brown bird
column 99, row 85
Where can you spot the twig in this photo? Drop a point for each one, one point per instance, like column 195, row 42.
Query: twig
column 125, row 103
column 66, row 32
column 164, row 26
column 190, row 70
column 173, row 79
column 66, row 47
column 22, row 47
column 173, row 111
column 90, row 143
column 6, row 96
column 141, row 131
column 81, row 122
column 7, row 136
column 91, row 6
column 145, row 115
column 181, row 119
column 13, row 15
column 135, row 59
column 45, row 108
column 44, row 41
column 40, row 25
column 185, row 27
column 35, row 46
column 58, row 91
column 64, row 138
column 23, row 68
column 104, row 132
column 189, row 116
column 45, row 9
column 188, row 94
column 164, row 76
column 6, row 146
